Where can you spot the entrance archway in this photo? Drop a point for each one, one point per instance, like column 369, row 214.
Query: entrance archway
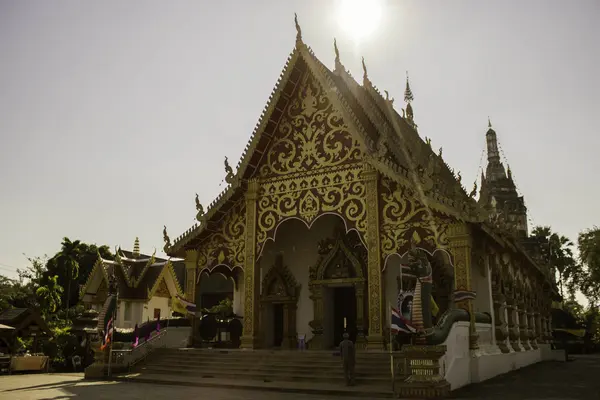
column 278, row 302
column 337, row 285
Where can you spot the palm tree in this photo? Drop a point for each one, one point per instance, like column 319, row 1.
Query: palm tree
column 558, row 254
column 67, row 258
column 50, row 294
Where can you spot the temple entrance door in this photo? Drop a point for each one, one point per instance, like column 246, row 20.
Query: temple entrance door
column 277, row 325
column 344, row 307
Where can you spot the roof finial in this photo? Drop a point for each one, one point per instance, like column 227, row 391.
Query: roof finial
column 337, row 53
column 365, row 76
column 136, row 247
column 489, row 122
column 408, row 95
column 298, row 29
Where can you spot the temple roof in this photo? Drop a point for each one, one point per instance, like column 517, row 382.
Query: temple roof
column 389, row 141
column 137, row 274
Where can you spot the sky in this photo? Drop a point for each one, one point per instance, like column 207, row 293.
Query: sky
column 114, row 114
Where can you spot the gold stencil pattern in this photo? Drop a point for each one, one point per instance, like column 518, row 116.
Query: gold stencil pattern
column 227, row 245
column 404, row 220
column 340, row 191
column 310, row 136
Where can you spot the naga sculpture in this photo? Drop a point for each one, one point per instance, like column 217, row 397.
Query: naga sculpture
column 427, row 333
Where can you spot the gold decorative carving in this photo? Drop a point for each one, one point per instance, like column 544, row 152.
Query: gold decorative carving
column 339, row 191
column 310, row 136
column 162, row 290
column 226, row 246
column 404, row 220
column 374, row 258
column 250, row 328
column 340, row 262
column 191, row 262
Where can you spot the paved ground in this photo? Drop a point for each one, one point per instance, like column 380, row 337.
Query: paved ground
column 576, row 380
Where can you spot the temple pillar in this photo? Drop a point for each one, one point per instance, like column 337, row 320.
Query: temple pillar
column 376, row 310
column 500, row 325
column 360, row 315
column 513, row 324
column 250, row 335
column 523, row 328
column 316, row 295
column 531, row 330
column 461, row 247
column 191, row 270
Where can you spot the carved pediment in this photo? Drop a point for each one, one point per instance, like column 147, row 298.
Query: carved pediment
column 337, row 260
column 279, row 282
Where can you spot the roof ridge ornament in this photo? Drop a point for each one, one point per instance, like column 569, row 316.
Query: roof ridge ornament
column 489, row 122
column 166, row 239
column 230, row 176
column 365, row 75
column 337, row 52
column 298, row 29
column 200, row 209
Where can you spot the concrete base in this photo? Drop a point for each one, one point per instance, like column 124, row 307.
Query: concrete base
column 95, row 371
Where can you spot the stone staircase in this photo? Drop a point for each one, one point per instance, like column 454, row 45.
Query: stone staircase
column 292, row 371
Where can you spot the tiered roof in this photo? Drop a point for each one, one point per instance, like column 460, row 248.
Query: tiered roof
column 390, row 142
column 138, row 275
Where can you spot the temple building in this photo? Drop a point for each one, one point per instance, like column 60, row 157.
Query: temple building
column 339, row 207
column 146, row 285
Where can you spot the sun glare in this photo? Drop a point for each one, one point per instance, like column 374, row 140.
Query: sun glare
column 359, row 18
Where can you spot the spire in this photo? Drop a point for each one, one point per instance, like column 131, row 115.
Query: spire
column 493, row 154
column 136, row 248
column 298, row 29
column 408, row 98
column 408, row 95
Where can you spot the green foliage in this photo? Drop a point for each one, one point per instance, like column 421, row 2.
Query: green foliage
column 50, row 295
column 24, row 344
column 588, row 276
column 224, row 308
column 73, row 264
column 557, row 250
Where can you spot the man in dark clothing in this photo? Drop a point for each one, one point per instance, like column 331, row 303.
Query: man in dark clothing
column 348, row 359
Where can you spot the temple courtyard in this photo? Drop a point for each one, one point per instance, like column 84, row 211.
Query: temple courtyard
column 575, row 380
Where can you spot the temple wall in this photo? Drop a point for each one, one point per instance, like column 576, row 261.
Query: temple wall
column 238, row 295
column 457, row 361
column 161, row 303
column 481, row 284
column 299, row 245
column 390, row 275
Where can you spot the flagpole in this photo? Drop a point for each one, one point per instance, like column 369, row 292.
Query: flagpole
column 390, row 345
column 114, row 327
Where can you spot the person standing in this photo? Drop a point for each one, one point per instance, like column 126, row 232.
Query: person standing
column 348, row 359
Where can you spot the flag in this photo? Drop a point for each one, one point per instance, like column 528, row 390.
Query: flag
column 182, row 306
column 400, row 324
column 108, row 321
column 107, row 334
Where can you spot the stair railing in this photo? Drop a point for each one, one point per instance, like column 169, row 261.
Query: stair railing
column 130, row 357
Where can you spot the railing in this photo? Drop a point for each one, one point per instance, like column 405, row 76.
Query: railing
column 130, row 357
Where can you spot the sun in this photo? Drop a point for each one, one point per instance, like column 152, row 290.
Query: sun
column 359, row 18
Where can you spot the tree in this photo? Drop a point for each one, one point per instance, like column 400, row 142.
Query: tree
column 557, row 251
column 588, row 277
column 85, row 255
column 50, row 294
column 67, row 257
